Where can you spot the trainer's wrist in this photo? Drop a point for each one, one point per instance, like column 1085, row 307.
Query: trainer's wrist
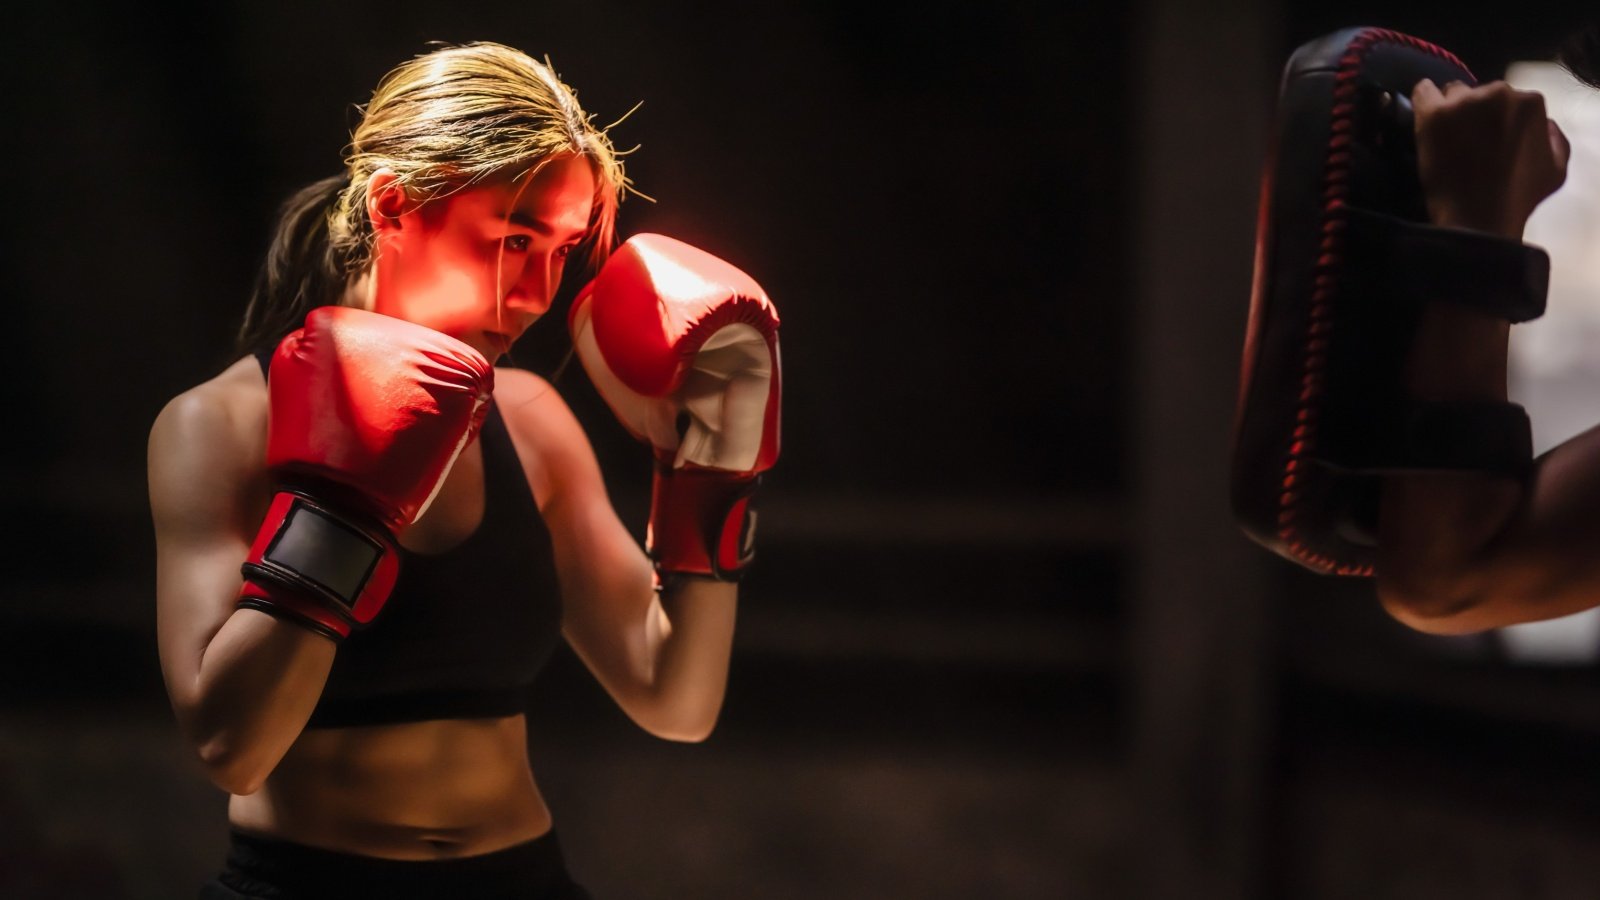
column 1499, row 224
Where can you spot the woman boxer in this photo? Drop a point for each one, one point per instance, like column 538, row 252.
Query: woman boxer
column 1457, row 552
column 369, row 540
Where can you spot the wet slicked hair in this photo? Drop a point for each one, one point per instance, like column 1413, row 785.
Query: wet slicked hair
column 442, row 121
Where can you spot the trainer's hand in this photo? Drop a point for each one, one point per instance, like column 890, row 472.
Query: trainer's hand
column 1486, row 155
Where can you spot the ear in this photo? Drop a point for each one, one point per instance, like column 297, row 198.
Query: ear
column 386, row 200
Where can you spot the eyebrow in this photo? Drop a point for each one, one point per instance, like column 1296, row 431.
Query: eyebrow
column 525, row 220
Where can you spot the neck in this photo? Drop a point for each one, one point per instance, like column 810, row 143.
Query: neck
column 360, row 291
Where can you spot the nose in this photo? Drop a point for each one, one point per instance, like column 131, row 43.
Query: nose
column 536, row 285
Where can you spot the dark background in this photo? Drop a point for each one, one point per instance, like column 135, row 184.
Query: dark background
column 1002, row 640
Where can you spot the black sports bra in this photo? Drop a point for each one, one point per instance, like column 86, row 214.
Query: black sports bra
column 465, row 631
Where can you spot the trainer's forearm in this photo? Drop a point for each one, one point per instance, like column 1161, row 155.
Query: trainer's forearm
column 1436, row 528
column 260, row 677
column 1463, row 552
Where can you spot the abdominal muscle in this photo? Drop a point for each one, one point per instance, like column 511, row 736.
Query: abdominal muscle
column 418, row 790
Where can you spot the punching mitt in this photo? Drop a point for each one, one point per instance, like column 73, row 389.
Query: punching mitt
column 1345, row 263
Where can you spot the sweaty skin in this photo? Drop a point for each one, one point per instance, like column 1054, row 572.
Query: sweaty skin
column 1463, row 552
column 414, row 790
column 243, row 683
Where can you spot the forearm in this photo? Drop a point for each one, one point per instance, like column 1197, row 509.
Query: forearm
column 1463, row 552
column 691, row 630
column 1436, row 529
column 258, row 681
column 708, row 369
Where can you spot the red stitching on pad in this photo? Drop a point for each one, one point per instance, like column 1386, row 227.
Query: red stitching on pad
column 1336, row 181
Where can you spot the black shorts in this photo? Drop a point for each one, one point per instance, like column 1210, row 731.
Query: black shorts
column 261, row 868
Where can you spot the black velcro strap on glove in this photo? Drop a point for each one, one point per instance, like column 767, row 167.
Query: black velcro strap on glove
column 1345, row 264
column 313, row 565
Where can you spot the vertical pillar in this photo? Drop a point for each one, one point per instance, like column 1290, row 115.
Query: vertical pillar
column 1202, row 682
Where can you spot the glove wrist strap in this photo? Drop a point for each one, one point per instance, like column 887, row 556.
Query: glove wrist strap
column 702, row 522
column 319, row 568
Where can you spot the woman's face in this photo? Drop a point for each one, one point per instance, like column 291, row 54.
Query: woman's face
column 483, row 263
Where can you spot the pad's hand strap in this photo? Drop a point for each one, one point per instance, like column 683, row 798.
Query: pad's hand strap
column 1444, row 436
column 1393, row 267
column 1495, row 275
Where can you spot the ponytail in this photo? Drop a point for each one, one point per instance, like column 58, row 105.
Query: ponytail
column 302, row 270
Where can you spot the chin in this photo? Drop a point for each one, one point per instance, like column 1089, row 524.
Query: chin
column 493, row 346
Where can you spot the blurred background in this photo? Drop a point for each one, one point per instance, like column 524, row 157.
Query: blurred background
column 1003, row 639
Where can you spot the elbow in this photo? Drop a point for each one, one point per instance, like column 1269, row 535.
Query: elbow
column 683, row 735
column 688, row 732
column 685, row 726
column 1432, row 605
column 229, row 769
column 1454, row 559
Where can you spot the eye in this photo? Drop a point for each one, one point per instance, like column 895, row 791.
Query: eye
column 566, row 251
column 517, row 243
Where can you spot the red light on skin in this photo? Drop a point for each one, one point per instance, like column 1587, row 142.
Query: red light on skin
column 483, row 263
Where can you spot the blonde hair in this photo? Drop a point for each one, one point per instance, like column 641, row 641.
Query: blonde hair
column 442, row 121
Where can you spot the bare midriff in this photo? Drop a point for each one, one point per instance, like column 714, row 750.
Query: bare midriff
column 417, row 790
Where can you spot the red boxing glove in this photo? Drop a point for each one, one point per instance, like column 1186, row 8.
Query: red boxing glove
column 367, row 415
column 684, row 348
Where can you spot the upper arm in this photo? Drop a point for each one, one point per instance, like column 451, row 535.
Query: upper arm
column 206, row 476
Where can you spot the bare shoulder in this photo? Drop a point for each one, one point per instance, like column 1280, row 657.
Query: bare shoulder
column 207, row 445
column 234, row 400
